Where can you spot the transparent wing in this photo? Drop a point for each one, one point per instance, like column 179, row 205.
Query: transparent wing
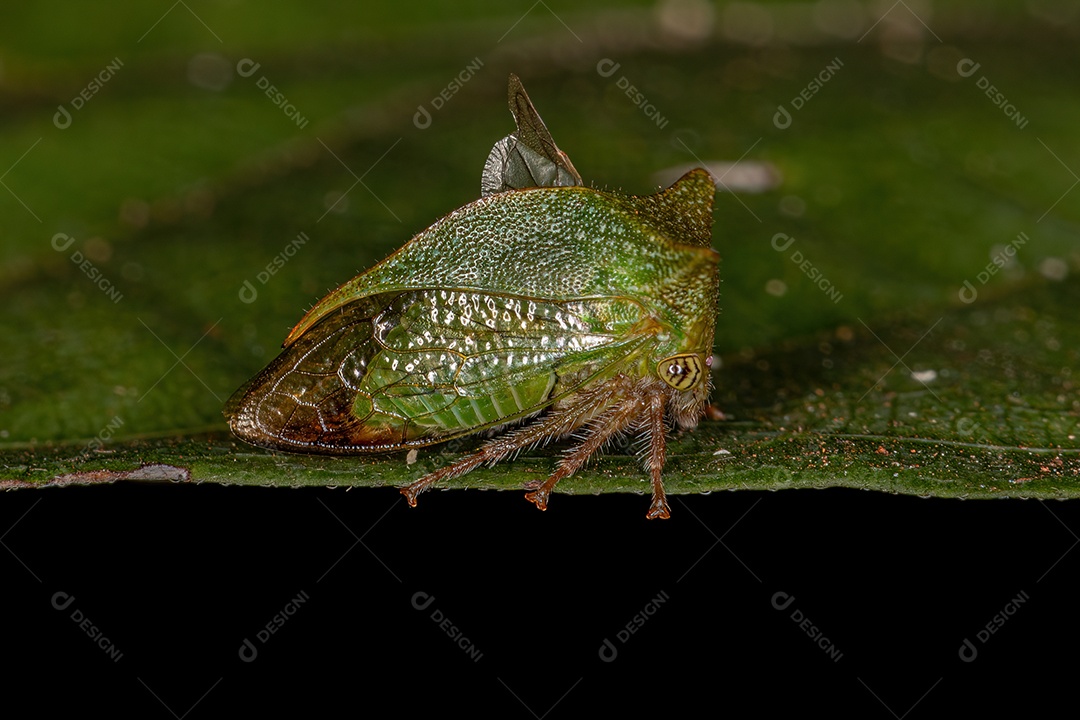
column 422, row 366
column 529, row 156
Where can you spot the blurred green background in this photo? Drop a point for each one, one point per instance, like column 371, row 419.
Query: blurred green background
column 147, row 175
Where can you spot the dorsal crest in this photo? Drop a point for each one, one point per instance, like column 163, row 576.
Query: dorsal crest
column 683, row 212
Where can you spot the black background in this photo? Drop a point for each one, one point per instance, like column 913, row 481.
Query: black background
column 177, row 577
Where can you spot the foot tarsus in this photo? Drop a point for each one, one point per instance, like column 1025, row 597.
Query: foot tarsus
column 658, row 509
column 411, row 490
column 539, row 497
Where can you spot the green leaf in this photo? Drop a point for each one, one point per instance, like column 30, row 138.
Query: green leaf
column 849, row 356
column 843, row 408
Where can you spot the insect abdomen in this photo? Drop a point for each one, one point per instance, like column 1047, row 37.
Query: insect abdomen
column 441, row 413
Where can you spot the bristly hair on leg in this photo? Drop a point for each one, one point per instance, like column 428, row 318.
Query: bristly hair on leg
column 615, row 420
column 656, row 429
column 558, row 423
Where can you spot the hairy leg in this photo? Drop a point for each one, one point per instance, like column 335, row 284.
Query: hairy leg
column 655, row 456
column 614, row 421
column 557, row 424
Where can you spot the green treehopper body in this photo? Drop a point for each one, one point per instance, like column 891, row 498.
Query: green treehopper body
column 560, row 309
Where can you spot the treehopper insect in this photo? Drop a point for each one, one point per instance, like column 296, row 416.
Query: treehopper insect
column 545, row 309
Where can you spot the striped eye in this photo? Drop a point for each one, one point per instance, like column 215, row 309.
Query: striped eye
column 681, row 372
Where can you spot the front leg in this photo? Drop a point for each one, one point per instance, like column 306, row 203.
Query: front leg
column 656, row 456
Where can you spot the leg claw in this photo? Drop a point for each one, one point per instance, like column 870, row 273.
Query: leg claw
column 658, row 509
column 538, row 498
column 410, row 492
